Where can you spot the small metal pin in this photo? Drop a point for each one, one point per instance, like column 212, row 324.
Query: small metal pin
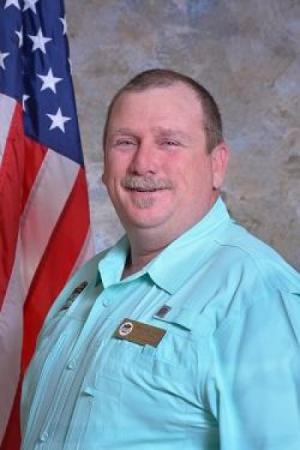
column 163, row 311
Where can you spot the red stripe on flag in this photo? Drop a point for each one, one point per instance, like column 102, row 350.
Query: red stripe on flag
column 21, row 162
column 12, row 437
column 11, row 175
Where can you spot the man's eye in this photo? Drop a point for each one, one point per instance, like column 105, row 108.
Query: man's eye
column 170, row 143
column 124, row 142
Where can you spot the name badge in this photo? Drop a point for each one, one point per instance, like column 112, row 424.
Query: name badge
column 139, row 333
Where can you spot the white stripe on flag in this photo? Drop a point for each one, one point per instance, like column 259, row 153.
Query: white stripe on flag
column 37, row 224
column 11, row 336
column 7, row 107
column 55, row 181
column 86, row 253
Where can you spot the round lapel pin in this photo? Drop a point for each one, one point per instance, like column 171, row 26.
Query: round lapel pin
column 125, row 328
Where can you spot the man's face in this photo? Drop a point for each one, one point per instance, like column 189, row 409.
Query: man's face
column 157, row 170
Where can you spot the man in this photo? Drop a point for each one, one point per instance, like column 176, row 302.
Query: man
column 185, row 334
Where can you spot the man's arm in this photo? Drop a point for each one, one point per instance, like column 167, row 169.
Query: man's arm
column 257, row 374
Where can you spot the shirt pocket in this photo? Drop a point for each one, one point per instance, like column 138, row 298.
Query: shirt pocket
column 132, row 385
column 68, row 315
column 176, row 353
column 161, row 380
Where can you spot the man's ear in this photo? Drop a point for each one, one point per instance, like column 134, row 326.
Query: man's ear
column 103, row 177
column 220, row 157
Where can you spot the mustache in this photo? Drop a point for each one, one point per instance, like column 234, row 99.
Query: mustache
column 145, row 183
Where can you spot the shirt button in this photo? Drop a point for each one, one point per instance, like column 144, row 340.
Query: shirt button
column 72, row 364
column 105, row 301
column 44, row 436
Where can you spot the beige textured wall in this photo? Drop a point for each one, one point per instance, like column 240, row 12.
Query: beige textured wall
column 246, row 52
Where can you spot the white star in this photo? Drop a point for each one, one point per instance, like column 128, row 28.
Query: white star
column 2, row 58
column 30, row 4
column 58, row 120
column 65, row 26
column 39, row 41
column 12, row 3
column 49, row 81
column 24, row 98
column 20, row 36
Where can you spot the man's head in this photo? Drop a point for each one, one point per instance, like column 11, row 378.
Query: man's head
column 212, row 121
column 165, row 157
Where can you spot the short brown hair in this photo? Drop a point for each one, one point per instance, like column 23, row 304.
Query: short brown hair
column 162, row 78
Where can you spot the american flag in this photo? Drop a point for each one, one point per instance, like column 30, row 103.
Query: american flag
column 44, row 214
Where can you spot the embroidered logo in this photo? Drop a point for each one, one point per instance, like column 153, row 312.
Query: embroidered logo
column 74, row 295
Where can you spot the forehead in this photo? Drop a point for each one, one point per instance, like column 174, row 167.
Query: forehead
column 169, row 105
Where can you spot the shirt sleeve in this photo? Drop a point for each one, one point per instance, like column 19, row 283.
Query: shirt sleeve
column 257, row 373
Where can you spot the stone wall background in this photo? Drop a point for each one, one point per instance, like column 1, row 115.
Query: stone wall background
column 246, row 52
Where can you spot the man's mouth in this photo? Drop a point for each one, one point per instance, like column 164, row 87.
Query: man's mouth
column 142, row 189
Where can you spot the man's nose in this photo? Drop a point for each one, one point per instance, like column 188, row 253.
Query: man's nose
column 144, row 160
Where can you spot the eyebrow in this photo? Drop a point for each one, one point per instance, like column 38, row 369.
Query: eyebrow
column 170, row 132
column 160, row 131
column 122, row 131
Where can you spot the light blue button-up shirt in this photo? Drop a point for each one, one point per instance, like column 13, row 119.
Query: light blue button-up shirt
column 225, row 376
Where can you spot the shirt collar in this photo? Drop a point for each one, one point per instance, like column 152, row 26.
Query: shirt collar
column 175, row 263
column 111, row 266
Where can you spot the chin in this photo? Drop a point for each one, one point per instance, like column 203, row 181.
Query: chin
column 136, row 222
column 142, row 218
column 144, row 212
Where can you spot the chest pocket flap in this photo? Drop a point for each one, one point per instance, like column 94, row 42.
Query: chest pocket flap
column 183, row 318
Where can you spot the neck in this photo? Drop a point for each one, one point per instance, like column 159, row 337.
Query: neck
column 141, row 253
column 147, row 243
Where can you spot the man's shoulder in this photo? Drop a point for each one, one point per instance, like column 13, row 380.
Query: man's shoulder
column 242, row 273
column 240, row 239
column 248, row 254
